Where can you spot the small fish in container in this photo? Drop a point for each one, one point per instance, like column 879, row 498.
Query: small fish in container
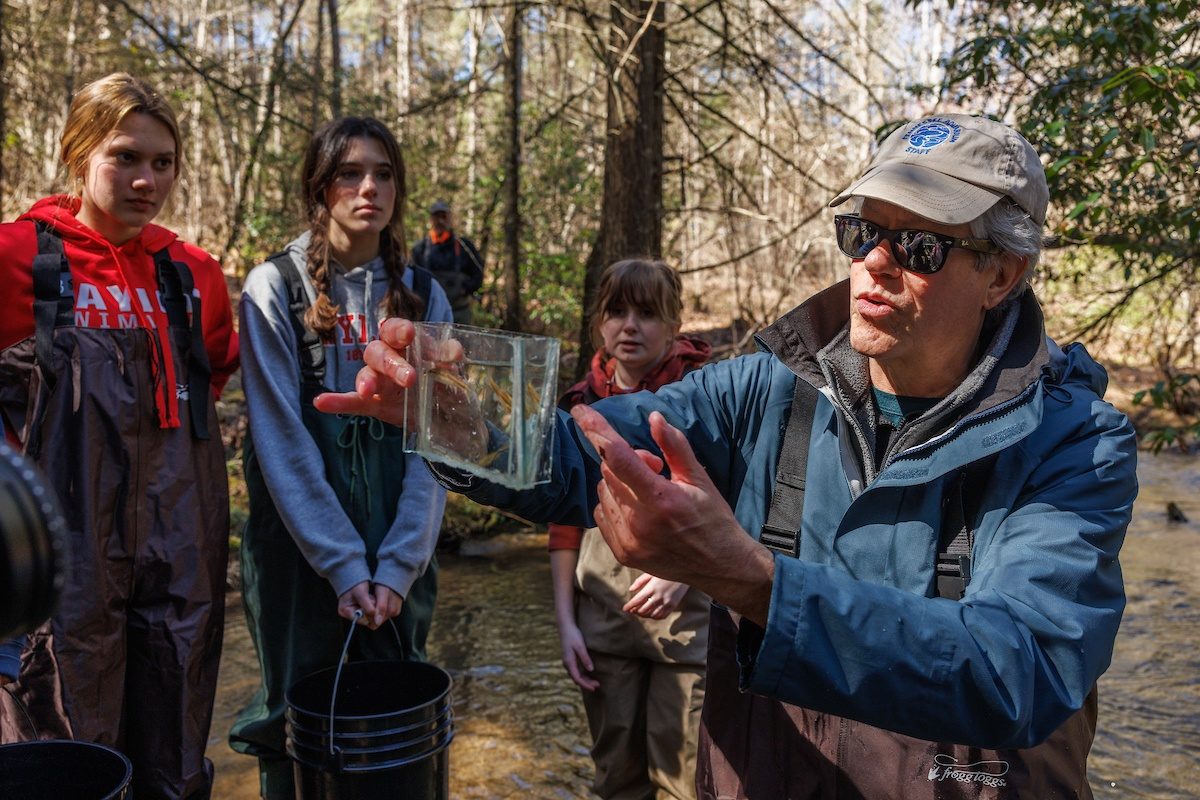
column 485, row 401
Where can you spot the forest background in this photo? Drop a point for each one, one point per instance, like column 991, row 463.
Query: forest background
column 570, row 134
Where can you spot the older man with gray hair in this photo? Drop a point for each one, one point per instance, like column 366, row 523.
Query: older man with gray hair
column 907, row 508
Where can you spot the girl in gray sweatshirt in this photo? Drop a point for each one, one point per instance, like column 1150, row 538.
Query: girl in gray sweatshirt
column 341, row 519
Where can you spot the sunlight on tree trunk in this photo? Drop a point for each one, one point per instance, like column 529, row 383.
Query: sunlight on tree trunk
column 514, row 314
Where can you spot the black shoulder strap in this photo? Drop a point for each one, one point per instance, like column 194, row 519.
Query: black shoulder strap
column 470, row 251
column 309, row 348
column 53, row 297
column 781, row 532
column 423, row 286
column 178, row 291
column 957, row 537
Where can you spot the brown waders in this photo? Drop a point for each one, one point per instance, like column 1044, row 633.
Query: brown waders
column 130, row 658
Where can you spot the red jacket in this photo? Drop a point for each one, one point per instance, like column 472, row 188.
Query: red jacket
column 686, row 354
column 115, row 287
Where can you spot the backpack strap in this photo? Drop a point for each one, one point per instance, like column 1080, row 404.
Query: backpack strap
column 53, row 297
column 177, row 285
column 959, row 509
column 309, row 348
column 781, row 532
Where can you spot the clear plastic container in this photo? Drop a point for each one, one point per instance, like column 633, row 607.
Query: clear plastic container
column 485, row 401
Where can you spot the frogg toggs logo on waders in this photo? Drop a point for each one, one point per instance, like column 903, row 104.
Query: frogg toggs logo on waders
column 989, row 773
column 930, row 133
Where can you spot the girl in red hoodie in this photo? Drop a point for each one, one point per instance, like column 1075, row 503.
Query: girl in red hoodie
column 115, row 340
column 635, row 644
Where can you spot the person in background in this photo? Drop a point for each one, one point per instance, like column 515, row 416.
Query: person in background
column 908, row 508
column 632, row 642
column 453, row 260
column 341, row 520
column 115, row 341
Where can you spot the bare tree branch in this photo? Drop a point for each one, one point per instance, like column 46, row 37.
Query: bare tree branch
column 757, row 248
column 181, row 51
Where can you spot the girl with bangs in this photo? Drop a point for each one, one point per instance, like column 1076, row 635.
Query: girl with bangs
column 633, row 643
column 341, row 519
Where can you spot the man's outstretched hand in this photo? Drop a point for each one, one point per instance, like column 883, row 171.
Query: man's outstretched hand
column 380, row 390
column 678, row 528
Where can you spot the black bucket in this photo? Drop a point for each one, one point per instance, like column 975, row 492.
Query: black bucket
column 386, row 733
column 63, row 770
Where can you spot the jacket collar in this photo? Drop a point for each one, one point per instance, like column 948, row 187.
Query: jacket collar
column 813, row 341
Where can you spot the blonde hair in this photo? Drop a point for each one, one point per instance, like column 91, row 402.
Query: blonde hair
column 100, row 107
column 646, row 284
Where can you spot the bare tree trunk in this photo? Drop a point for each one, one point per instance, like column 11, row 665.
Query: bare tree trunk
column 514, row 313
column 475, row 24
column 379, row 51
column 196, row 195
column 273, row 74
column 403, row 60
column 318, row 73
column 72, row 59
column 631, row 208
column 335, row 60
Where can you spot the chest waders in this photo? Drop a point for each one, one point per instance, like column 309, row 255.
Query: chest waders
column 130, row 658
column 290, row 609
column 758, row 747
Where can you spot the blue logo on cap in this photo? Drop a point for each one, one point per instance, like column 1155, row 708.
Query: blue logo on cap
column 930, row 133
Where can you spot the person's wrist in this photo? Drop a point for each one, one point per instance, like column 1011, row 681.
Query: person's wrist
column 748, row 592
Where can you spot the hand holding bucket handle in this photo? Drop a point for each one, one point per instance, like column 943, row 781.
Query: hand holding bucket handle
column 335, row 752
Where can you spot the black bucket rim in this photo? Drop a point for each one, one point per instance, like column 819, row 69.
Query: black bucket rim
column 429, row 712
column 289, row 695
column 441, row 742
column 120, row 791
column 310, row 734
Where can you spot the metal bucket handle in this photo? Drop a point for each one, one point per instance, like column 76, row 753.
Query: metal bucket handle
column 24, row 709
column 335, row 752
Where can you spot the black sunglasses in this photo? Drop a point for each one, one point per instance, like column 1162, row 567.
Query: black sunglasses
column 923, row 252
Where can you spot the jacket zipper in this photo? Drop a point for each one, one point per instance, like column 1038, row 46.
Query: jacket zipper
column 994, row 413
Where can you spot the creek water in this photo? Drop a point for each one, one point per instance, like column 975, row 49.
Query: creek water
column 520, row 726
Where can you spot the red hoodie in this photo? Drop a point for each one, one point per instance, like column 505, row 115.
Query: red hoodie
column 686, row 354
column 116, row 287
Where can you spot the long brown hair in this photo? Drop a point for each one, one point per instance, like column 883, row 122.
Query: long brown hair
column 98, row 108
column 325, row 154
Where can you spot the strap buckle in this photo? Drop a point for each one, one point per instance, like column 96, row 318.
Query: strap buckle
column 779, row 540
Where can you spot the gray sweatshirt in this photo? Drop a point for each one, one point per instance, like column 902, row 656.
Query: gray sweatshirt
column 292, row 465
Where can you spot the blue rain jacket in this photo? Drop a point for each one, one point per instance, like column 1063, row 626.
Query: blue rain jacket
column 855, row 627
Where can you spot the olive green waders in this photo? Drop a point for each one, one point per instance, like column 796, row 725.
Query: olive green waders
column 291, row 610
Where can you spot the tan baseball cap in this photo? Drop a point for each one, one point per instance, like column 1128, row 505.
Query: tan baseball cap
column 952, row 168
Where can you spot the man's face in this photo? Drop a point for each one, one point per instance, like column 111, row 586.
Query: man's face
column 919, row 331
column 440, row 221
